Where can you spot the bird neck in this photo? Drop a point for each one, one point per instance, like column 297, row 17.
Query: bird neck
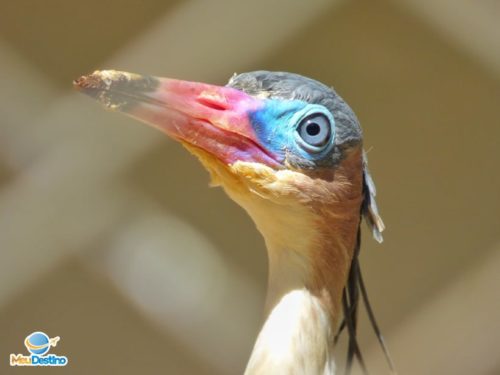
column 309, row 222
column 295, row 339
column 310, row 249
column 303, row 304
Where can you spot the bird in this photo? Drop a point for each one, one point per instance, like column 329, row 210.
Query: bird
column 289, row 150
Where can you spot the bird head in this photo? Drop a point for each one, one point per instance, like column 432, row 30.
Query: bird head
column 285, row 147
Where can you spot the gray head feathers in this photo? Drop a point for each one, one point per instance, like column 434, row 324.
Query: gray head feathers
column 290, row 86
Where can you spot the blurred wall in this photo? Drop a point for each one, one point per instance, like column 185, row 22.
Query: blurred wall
column 111, row 239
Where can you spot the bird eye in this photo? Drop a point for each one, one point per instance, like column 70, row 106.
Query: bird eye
column 315, row 130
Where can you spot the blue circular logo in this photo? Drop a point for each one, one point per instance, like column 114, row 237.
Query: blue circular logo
column 37, row 343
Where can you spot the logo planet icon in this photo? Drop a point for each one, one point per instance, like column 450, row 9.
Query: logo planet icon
column 39, row 343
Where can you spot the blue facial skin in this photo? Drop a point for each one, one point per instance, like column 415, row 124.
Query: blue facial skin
column 276, row 125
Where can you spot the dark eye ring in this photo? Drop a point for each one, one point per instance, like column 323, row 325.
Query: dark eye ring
column 315, row 131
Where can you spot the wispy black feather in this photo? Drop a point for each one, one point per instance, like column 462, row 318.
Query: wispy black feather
column 350, row 300
column 355, row 285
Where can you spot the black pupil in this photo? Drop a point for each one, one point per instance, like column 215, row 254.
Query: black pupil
column 313, row 129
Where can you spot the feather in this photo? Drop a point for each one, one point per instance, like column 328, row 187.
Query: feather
column 369, row 208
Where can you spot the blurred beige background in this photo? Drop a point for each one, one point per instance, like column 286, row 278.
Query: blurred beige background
column 111, row 239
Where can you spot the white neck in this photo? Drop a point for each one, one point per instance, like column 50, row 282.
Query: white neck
column 295, row 339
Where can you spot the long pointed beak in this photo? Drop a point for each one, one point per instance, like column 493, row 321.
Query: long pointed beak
column 213, row 118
